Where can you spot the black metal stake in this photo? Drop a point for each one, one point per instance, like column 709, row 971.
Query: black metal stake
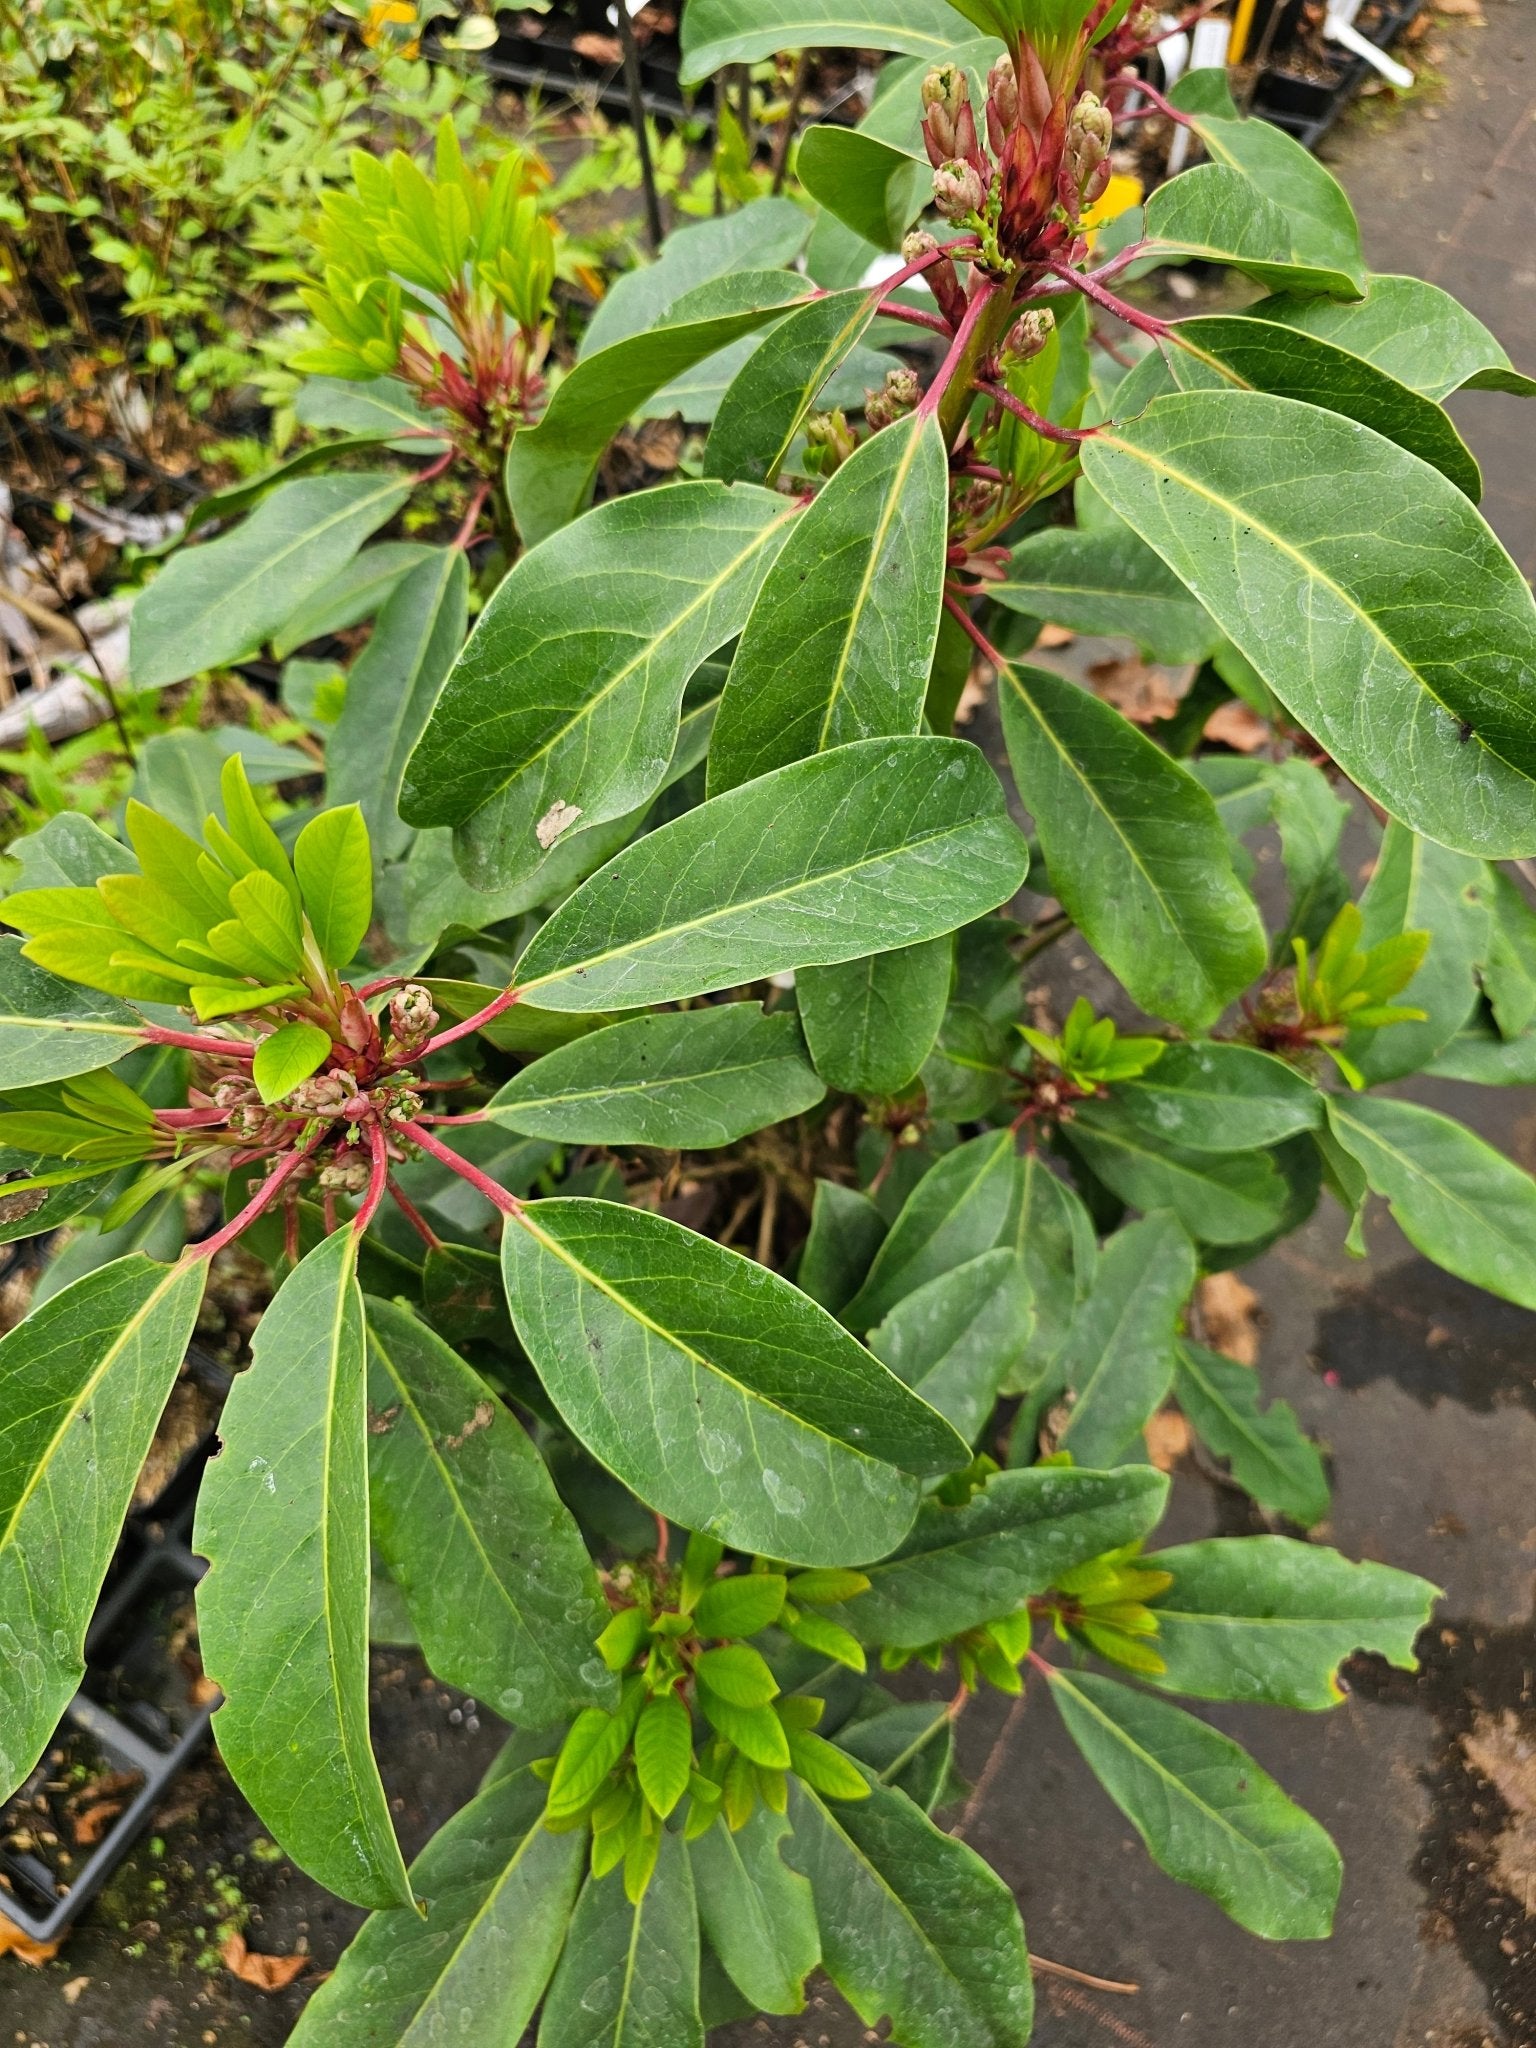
column 632, row 82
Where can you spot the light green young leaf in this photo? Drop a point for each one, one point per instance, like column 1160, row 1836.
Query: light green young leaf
column 1216, row 1097
column 1118, row 1355
column 759, row 1914
column 493, row 1568
column 871, row 1023
column 1258, row 505
column 957, row 1339
column 1208, row 1815
column 1269, row 1456
column 283, row 1520
column 1108, row 583
column 716, row 1391
column 720, row 32
column 1135, row 850
column 82, row 1382
column 868, row 847
column 840, row 641
column 1267, row 1620
column 335, row 874
column 767, row 402
column 871, row 186
column 286, row 1057
column 964, row 1206
column 1417, row 886
column 51, row 1029
column 1219, row 1197
column 1413, row 331
column 693, row 1079
column 628, row 1976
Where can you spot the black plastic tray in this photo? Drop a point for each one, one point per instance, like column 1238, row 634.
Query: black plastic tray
column 1306, row 107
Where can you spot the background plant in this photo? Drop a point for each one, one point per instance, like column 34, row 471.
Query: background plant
column 659, row 1506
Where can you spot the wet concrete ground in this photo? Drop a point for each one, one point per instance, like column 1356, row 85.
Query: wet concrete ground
column 1423, row 1390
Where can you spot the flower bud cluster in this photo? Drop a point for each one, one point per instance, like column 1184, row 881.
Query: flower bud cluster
column 412, row 1020
column 1085, row 165
column 1030, row 333
column 894, row 400
column 829, row 441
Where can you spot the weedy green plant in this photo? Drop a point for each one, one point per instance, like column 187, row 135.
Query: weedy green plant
column 592, row 919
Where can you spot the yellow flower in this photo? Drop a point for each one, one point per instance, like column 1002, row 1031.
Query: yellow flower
column 382, row 16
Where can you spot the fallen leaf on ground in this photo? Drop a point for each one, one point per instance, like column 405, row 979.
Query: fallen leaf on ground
column 90, row 1824
column 14, row 1943
column 266, row 1973
column 1168, row 1438
column 1055, row 636
column 598, row 49
column 1143, row 693
column 1238, row 726
column 72, row 1990
column 1229, row 1310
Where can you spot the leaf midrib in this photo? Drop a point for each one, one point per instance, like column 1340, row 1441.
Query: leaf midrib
column 1479, row 1217
column 310, row 538
column 616, row 1091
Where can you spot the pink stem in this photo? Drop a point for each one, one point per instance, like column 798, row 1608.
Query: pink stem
column 933, row 397
column 190, row 1119
column 377, row 988
column 378, row 1180
column 263, row 1197
column 466, row 532
column 983, row 471
column 898, row 278
column 960, row 614
column 1083, row 282
column 413, row 1215
column 228, row 1048
column 475, row 1116
column 1159, row 104
column 503, row 1002
column 509, row 1205
column 435, row 469
column 1069, row 435
column 916, row 317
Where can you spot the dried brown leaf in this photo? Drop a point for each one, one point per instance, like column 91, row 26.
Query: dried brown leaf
column 1144, row 694
column 14, row 1943
column 1238, row 726
column 265, row 1973
column 1229, row 1314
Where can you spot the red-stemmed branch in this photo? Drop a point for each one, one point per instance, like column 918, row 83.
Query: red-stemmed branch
column 916, row 317
column 482, row 1183
column 196, row 1041
column 263, row 1198
column 466, row 532
column 378, row 1179
column 454, row 1032
column 963, row 618
column 933, row 396
column 966, row 246
column 1070, row 436
column 1085, row 282
column 413, row 1215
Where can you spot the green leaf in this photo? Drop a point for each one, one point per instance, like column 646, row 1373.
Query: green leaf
column 964, row 1566
column 1220, row 1098
column 492, row 1566
column 332, row 861
column 628, row 1976
column 911, row 1746
column 212, row 604
column 865, row 848
column 391, row 688
column 1454, row 1198
column 871, row 1023
column 566, row 699
column 364, row 406
column 1290, row 363
column 1267, row 1620
column 742, row 1605
column 913, row 1923
column 846, row 1229
column 693, row 1079
column 758, row 1914
column 51, row 1029
column 68, row 852
column 1310, row 820
column 765, row 234
column 841, row 638
column 357, row 592
column 283, row 1613
column 963, row 1207
column 958, row 1338
column 551, row 466
column 1055, row 1238
column 1488, row 1060
column 872, row 187
column 1417, row 886
column 498, row 1889
column 1118, row 1355
column 1508, row 970
column 1108, row 583
column 287, row 1057
column 1215, row 213
column 664, row 1751
column 82, row 1382
column 969, row 1070
column 1258, row 504
column 1208, row 1815
column 1136, row 852
column 720, row 32
column 1411, row 330
column 1219, row 1197
column 718, row 1393
column 737, row 1674
column 1269, row 1455
column 766, row 405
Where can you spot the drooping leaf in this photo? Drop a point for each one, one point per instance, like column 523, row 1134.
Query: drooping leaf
column 283, row 1519
column 493, row 1568
column 1413, row 331
column 628, row 1976
column 82, row 1382
column 1216, row 213
column 1208, row 1815
column 1220, row 1098
column 868, row 847
column 1135, row 850
column 913, row 1923
column 720, row 32
column 1108, row 583
column 288, row 1056
column 765, row 234
column 695, row 1079
column 871, row 186
column 1258, row 505
column 1268, row 1620
column 767, row 402
column 964, row 1566
column 565, row 703
column 1118, row 1354
column 498, row 1890
column 1269, row 1455
column 846, row 1229
column 965, row 1206
column 1454, row 1198
column 716, row 1391
column 1417, row 886
column 958, row 1338
column 871, row 1023
column 1219, row 1197
column 213, row 603
column 758, row 1914
column 51, row 1029
column 841, row 638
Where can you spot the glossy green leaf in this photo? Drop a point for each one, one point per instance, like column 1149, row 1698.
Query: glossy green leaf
column 493, row 1569
column 1487, row 1059
column 663, row 1751
column 1219, row 1197
column 964, row 1206
column 716, row 1391
column 565, row 702
column 1260, row 504
column 964, row 1566
column 914, row 1924
column 335, row 876
column 362, row 407
column 1220, row 1098
column 1417, row 886
column 1267, row 1620
column 355, row 593
column 839, row 643
column 867, row 847
column 283, row 1520
column 765, row 234
column 1118, row 1355
column 758, row 1914
column 872, row 187
column 1136, row 853
column 51, row 1029
column 82, row 1382
column 67, row 852
column 213, row 603
column 1217, row 214
column 1208, row 1815
column 694, row 1079
column 1269, row 1455
column 910, row 1747
column 1055, row 1238
column 288, row 1056
column 628, row 1976
column 1413, row 331
column 498, row 1889
column 1310, row 819
column 720, row 32
column 871, row 1023
column 1108, row 583
column 767, row 402
column 550, row 467
column 846, row 1229
column 1454, row 1198
column 969, row 1070
column 959, row 1337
